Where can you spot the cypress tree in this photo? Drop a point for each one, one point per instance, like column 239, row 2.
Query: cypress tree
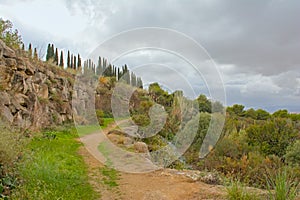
column 35, row 54
column 48, row 52
column 133, row 80
column 75, row 63
column 68, row 60
column 119, row 74
column 56, row 57
column 52, row 51
column 72, row 64
column 30, row 50
column 61, row 62
column 79, row 61
column 139, row 83
column 23, row 47
column 90, row 64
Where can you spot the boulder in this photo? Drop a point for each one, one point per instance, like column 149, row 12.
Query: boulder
column 5, row 112
column 141, row 147
column 5, row 51
column 4, row 98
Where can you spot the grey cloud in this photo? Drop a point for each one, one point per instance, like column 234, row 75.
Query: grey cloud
column 256, row 43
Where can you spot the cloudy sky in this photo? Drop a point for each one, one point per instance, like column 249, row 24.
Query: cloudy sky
column 255, row 44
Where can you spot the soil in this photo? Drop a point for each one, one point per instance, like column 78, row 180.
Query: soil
column 163, row 184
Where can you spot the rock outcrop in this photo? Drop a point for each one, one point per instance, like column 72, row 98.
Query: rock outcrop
column 33, row 94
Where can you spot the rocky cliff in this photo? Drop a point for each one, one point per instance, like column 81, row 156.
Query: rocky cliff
column 33, row 94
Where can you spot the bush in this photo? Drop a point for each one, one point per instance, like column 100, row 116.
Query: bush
column 100, row 115
column 272, row 137
column 292, row 155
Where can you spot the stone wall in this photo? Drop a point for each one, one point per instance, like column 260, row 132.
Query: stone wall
column 33, row 94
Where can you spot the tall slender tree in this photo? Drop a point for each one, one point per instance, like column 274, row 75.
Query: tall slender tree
column 79, row 61
column 61, row 61
column 139, row 83
column 133, row 80
column 52, row 51
column 56, row 57
column 30, row 50
column 68, row 60
column 75, row 63
column 48, row 55
column 35, row 54
column 72, row 63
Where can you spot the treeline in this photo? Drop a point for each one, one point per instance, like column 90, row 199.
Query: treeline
column 238, row 110
column 73, row 61
column 106, row 69
column 102, row 68
column 31, row 53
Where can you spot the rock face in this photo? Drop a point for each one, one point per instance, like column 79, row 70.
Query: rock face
column 33, row 94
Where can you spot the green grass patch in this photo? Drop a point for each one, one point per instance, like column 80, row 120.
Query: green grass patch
column 89, row 129
column 52, row 169
column 236, row 191
column 110, row 177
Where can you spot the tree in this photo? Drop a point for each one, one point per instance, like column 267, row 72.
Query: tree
column 251, row 113
column 204, row 104
column 56, row 57
column 48, row 55
column 79, row 61
column 75, row 63
column 30, row 50
column 133, row 80
column 8, row 35
column 61, row 62
column 236, row 109
column 292, row 155
column 52, row 51
column 139, row 83
column 72, row 63
column 217, row 107
column 281, row 113
column 68, row 60
column 262, row 114
column 272, row 137
column 35, row 54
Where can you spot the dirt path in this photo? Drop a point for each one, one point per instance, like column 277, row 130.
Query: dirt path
column 163, row 184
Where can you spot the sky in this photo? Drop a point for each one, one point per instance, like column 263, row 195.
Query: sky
column 254, row 44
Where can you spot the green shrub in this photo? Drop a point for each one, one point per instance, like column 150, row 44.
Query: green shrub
column 141, row 120
column 100, row 115
column 292, row 155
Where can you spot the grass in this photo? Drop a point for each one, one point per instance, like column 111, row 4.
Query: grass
column 283, row 186
column 88, row 129
column 236, row 191
column 110, row 177
column 110, row 174
column 52, row 169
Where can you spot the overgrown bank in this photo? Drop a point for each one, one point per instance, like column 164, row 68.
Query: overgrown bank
column 51, row 168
